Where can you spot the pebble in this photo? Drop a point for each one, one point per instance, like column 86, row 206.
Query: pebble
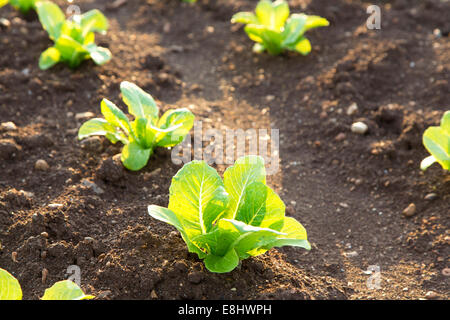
column 359, row 128
column 55, row 205
column 8, row 126
column 343, row 205
column 89, row 239
column 409, row 210
column 176, row 48
column 41, row 165
column 351, row 254
column 4, row 23
column 166, row 27
column 84, row 115
column 340, row 137
column 44, row 275
column 270, row 98
column 437, row 33
column 431, row 196
column 44, row 234
column 352, row 109
column 431, row 295
column 114, row 5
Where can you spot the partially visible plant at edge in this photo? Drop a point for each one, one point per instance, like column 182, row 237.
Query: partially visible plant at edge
column 437, row 141
column 146, row 132
column 226, row 221
column 62, row 290
column 24, row 6
column 274, row 30
column 74, row 39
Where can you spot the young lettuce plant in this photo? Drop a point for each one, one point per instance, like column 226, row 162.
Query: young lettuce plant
column 146, row 132
column 226, row 221
column 62, row 290
column 437, row 141
column 274, row 30
column 24, row 6
column 74, row 39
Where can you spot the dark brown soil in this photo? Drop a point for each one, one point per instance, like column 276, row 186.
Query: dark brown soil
column 348, row 192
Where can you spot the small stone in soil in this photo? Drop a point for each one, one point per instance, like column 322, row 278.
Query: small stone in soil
column 41, row 165
column 446, row 272
column 55, row 205
column 352, row 109
column 89, row 239
column 44, row 275
column 351, row 254
column 431, row 196
column 431, row 295
column 410, row 210
column 359, row 128
column 84, row 115
column 8, row 126
column 4, row 23
column 340, row 137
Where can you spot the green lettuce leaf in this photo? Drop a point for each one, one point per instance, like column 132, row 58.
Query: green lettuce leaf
column 245, row 171
column 275, row 30
column 145, row 132
column 51, row 17
column 181, row 120
column 224, row 222
column 65, row 290
column 140, row 104
column 437, row 141
column 9, row 286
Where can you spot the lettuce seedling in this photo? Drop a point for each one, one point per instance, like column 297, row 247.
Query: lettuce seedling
column 437, row 141
column 274, row 30
column 226, row 221
column 74, row 39
column 24, row 6
column 62, row 290
column 146, row 132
